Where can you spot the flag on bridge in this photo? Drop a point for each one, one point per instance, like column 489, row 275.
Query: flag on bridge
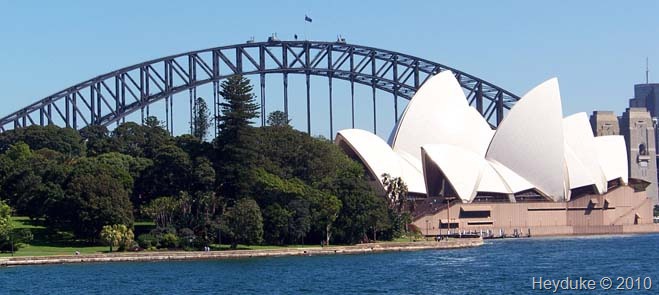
column 307, row 18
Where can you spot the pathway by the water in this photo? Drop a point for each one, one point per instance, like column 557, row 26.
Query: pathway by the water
column 498, row 267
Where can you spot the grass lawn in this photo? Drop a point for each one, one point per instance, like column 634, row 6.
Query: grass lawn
column 37, row 250
column 223, row 247
column 47, row 242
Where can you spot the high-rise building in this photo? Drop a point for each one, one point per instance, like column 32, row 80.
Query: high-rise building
column 646, row 96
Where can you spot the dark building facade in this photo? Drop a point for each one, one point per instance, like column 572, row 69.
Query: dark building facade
column 647, row 96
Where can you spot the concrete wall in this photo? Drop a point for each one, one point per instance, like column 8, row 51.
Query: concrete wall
column 604, row 123
column 614, row 212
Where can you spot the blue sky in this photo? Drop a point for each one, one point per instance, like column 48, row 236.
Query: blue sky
column 597, row 49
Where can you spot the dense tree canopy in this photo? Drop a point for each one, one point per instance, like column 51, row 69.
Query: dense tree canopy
column 270, row 184
column 64, row 140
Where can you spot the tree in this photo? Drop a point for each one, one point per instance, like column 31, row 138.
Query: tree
column 243, row 223
column 5, row 220
column 141, row 140
column 96, row 196
column 299, row 223
column 399, row 204
column 278, row 119
column 193, row 147
column 359, row 203
column 97, row 140
column 201, row 119
column 64, row 140
column 31, row 180
column 379, row 220
column 9, row 239
column 275, row 223
column 162, row 211
column 169, row 175
column 117, row 235
column 325, row 209
column 236, row 141
column 203, row 176
column 396, row 193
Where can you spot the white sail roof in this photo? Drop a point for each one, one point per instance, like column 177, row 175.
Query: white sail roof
column 582, row 162
column 379, row 158
column 578, row 174
column 467, row 172
column 612, row 154
column 441, row 141
column 440, row 113
column 461, row 168
column 491, row 181
column 513, row 181
column 529, row 140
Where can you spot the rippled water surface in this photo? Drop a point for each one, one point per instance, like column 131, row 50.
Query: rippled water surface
column 498, row 267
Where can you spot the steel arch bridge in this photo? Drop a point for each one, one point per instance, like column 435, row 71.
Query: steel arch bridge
column 110, row 97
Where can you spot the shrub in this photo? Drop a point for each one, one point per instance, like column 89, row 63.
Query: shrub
column 169, row 241
column 18, row 239
column 187, row 238
column 117, row 235
column 147, row 241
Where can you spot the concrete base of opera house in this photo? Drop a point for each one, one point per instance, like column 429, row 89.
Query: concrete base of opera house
column 620, row 211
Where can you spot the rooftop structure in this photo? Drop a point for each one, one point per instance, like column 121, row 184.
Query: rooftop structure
column 442, row 147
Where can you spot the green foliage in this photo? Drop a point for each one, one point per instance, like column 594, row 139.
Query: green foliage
column 97, row 196
column 361, row 208
column 31, row 180
column 98, row 141
column 160, row 237
column 278, row 119
column 396, row 193
column 308, row 209
column 201, row 122
column 64, row 140
column 135, row 166
column 140, row 140
column 17, row 239
column 236, row 142
column 5, row 220
column 243, row 223
column 162, row 211
column 169, row 241
column 147, row 241
column 203, row 176
column 275, row 224
column 310, row 190
column 117, row 235
column 169, row 174
column 187, row 239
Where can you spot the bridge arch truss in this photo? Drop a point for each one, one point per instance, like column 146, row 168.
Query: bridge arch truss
column 109, row 98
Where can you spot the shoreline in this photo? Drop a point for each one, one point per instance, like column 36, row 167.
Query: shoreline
column 236, row 254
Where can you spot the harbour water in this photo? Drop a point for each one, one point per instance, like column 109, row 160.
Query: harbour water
column 516, row 266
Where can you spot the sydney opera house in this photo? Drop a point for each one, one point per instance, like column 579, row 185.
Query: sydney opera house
column 538, row 173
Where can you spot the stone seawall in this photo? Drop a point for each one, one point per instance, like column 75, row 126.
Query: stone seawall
column 199, row 255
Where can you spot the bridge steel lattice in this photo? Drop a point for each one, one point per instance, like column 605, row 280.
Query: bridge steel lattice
column 109, row 98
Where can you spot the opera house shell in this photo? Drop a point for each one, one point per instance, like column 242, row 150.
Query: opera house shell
column 444, row 150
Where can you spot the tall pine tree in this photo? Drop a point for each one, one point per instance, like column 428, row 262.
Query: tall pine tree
column 201, row 119
column 236, row 141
